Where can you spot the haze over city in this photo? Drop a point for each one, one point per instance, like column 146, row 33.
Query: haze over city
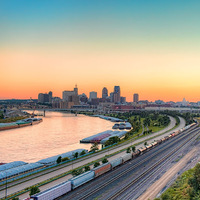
column 150, row 48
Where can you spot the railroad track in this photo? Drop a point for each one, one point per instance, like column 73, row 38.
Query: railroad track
column 180, row 137
column 153, row 171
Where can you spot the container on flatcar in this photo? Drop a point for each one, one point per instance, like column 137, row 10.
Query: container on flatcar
column 101, row 169
column 81, row 179
column 116, row 162
column 126, row 157
column 53, row 192
column 149, row 146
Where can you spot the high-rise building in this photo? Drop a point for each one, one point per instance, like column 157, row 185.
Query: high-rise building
column 112, row 97
column 71, row 97
column 117, row 94
column 123, row 100
column 104, row 93
column 45, row 98
column 93, row 95
column 50, row 96
column 135, row 97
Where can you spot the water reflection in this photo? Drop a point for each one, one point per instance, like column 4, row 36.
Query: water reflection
column 58, row 133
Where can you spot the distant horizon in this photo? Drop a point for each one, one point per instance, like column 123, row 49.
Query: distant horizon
column 149, row 48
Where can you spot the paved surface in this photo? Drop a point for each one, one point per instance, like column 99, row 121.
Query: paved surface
column 83, row 162
column 107, row 185
column 161, row 183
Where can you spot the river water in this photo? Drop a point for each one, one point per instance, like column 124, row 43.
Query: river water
column 58, row 133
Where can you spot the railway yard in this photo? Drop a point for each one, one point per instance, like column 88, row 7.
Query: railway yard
column 127, row 181
column 131, row 180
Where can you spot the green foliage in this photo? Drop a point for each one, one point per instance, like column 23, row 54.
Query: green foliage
column 82, row 153
column 94, row 147
column 128, row 150
column 105, row 160
column 34, row 190
column 133, row 148
column 112, row 140
column 96, row 164
column 75, row 155
column 65, row 159
column 87, row 168
column 145, row 144
column 77, row 172
column 59, row 160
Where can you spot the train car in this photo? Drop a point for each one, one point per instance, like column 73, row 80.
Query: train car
column 142, row 150
column 53, row 192
column 149, row 146
column 136, row 153
column 81, row 179
column 154, row 144
column 101, row 169
column 116, row 162
column 126, row 157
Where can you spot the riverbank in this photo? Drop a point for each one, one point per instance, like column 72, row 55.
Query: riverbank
column 20, row 123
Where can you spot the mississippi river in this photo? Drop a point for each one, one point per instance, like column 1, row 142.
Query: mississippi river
column 58, row 133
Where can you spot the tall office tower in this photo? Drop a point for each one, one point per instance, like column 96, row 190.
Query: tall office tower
column 43, row 98
column 112, row 97
column 104, row 93
column 67, row 95
column 93, row 95
column 50, row 96
column 117, row 94
column 76, row 90
column 135, row 97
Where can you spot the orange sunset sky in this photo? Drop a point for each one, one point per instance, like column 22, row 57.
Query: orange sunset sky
column 150, row 49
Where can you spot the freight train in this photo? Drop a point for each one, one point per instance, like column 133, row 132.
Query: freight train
column 81, row 179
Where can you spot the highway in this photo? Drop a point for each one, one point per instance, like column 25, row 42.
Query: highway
column 131, row 179
column 34, row 179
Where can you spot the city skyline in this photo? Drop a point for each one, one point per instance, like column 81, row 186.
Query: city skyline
column 149, row 48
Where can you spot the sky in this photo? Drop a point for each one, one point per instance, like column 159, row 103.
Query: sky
column 147, row 47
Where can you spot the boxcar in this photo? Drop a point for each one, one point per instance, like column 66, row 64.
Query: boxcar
column 116, row 162
column 81, row 179
column 53, row 192
column 101, row 169
column 126, row 157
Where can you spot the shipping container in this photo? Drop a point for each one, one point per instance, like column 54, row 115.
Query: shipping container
column 126, row 157
column 81, row 179
column 53, row 192
column 116, row 162
column 101, row 169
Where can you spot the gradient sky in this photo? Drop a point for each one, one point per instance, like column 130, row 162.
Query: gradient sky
column 147, row 47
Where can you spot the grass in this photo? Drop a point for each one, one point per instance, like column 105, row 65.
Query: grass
column 12, row 119
column 154, row 129
column 179, row 190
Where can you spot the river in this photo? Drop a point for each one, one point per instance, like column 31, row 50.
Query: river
column 58, row 133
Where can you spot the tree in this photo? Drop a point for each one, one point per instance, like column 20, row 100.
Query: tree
column 145, row 144
column 59, row 159
column 133, row 148
column 112, row 140
column 82, row 153
column 105, row 160
column 87, row 168
column 128, row 150
column 15, row 198
column 96, row 164
column 77, row 172
column 94, row 147
column 34, row 190
column 75, row 155
column 65, row 159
